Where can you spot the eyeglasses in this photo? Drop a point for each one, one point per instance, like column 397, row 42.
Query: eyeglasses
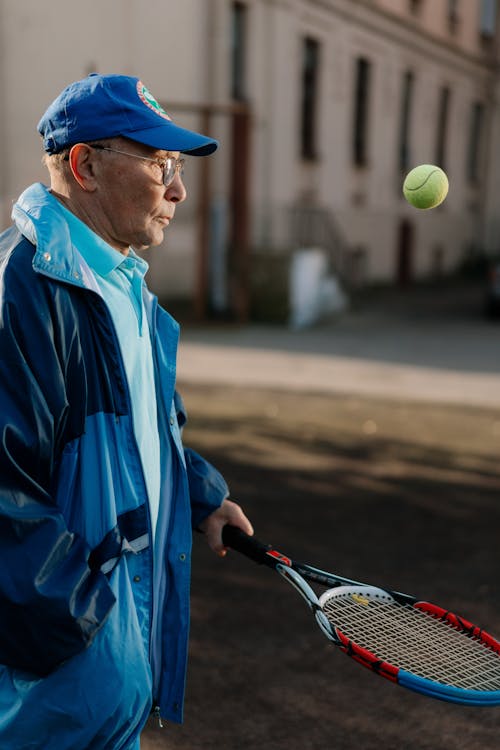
column 169, row 166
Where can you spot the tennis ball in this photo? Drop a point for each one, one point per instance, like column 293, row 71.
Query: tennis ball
column 425, row 186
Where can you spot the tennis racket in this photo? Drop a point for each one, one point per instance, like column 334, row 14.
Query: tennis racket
column 413, row 643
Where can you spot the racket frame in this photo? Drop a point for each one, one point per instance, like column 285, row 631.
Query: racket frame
column 297, row 574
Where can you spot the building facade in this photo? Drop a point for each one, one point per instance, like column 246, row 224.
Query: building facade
column 351, row 96
column 321, row 107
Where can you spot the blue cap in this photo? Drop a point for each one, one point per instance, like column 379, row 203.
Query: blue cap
column 115, row 105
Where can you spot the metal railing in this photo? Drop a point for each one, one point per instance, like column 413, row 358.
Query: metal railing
column 293, row 227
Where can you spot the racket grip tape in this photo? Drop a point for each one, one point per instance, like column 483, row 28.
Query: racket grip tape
column 249, row 546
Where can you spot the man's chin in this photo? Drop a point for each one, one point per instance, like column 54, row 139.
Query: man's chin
column 156, row 240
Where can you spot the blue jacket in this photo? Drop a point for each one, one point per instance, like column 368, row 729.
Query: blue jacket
column 89, row 638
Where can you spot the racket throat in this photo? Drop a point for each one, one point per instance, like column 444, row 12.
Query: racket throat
column 309, row 596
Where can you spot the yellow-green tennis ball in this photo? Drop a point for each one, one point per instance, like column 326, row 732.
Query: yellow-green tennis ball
column 425, row 186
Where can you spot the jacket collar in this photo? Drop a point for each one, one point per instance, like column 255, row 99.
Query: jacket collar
column 38, row 217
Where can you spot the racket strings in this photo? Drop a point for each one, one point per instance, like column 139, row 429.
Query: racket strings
column 415, row 641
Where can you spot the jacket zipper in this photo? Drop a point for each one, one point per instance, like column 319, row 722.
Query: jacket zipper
column 157, row 595
column 157, row 715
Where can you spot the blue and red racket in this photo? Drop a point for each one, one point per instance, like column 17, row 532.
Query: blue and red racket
column 413, row 643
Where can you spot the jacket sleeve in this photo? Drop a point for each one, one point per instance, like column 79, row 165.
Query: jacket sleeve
column 51, row 602
column 207, row 486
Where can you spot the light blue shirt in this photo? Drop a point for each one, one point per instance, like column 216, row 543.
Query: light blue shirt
column 120, row 279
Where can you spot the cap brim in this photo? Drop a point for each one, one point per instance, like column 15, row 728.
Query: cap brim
column 171, row 137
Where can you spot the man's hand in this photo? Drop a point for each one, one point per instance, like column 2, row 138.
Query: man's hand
column 212, row 526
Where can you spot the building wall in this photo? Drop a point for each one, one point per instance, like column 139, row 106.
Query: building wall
column 44, row 48
column 182, row 51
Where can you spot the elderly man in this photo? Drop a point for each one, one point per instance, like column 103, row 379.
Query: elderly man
column 98, row 496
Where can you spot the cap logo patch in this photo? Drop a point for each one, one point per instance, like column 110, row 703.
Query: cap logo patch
column 148, row 99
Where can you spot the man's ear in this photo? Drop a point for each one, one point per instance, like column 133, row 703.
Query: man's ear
column 81, row 162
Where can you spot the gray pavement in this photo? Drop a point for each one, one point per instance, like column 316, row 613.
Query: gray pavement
column 430, row 344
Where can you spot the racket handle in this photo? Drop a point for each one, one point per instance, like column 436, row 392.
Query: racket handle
column 249, row 546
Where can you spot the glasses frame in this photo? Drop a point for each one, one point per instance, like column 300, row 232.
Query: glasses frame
column 164, row 164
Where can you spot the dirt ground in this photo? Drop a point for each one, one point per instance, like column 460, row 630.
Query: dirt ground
column 397, row 493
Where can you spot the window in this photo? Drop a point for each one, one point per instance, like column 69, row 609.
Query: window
column 238, row 51
column 309, row 103
column 453, row 16
column 488, row 18
column 404, row 132
column 442, row 126
column 361, row 106
column 474, row 146
column 415, row 7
